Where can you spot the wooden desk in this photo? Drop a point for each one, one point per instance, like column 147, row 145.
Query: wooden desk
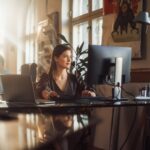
column 35, row 127
column 43, row 131
column 81, row 107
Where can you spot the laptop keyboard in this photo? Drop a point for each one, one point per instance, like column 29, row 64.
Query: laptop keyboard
column 43, row 101
column 82, row 100
column 13, row 103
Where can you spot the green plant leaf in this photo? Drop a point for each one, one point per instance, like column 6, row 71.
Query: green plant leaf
column 80, row 64
column 81, row 47
column 62, row 37
column 78, row 51
column 84, row 74
column 84, row 52
column 84, row 61
column 80, row 69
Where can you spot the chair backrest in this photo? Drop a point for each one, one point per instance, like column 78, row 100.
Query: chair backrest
column 29, row 69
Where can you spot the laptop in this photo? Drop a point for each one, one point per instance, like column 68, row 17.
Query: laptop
column 18, row 89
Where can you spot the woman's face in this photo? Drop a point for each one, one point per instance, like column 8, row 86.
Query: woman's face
column 64, row 60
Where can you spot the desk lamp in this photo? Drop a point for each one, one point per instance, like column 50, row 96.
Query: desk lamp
column 143, row 17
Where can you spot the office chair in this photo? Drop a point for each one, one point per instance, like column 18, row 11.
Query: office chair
column 29, row 69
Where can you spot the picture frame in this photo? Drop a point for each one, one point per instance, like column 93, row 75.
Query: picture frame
column 123, row 30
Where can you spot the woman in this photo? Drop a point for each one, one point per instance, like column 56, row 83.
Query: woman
column 59, row 82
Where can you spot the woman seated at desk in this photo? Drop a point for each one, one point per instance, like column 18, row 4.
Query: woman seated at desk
column 59, row 82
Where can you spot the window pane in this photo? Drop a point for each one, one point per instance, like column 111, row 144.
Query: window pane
column 97, row 31
column 30, row 54
column 97, row 4
column 80, row 7
column 80, row 34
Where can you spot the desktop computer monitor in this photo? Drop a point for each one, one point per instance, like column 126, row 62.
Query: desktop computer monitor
column 102, row 64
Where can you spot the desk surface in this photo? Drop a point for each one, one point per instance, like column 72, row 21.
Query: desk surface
column 28, row 131
column 71, row 107
column 28, row 127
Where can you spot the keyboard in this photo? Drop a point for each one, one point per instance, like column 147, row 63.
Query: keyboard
column 82, row 100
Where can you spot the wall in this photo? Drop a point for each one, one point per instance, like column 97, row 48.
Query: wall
column 43, row 8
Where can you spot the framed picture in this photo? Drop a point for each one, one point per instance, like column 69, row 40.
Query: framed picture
column 120, row 29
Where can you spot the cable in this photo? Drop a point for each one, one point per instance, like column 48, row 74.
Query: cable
column 111, row 128
column 130, row 129
column 113, row 85
column 134, row 118
column 119, row 91
column 127, row 92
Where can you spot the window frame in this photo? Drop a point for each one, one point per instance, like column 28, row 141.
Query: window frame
column 83, row 18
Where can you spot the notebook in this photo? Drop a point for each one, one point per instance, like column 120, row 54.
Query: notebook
column 18, row 89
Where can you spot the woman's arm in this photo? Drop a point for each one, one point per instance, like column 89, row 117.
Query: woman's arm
column 83, row 90
column 43, row 88
column 42, row 85
column 49, row 94
column 88, row 93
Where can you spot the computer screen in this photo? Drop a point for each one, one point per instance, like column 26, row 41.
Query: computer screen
column 101, row 64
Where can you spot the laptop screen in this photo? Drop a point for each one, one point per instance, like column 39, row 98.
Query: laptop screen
column 17, row 88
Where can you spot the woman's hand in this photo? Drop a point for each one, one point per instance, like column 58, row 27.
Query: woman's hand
column 47, row 94
column 88, row 93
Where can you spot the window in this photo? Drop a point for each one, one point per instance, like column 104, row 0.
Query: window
column 97, row 4
column 97, row 30
column 80, row 7
column 30, row 35
column 80, row 31
column 87, row 22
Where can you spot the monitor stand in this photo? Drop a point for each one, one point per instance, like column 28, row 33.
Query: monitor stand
column 118, row 79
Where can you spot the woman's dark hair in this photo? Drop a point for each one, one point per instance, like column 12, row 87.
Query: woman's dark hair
column 58, row 50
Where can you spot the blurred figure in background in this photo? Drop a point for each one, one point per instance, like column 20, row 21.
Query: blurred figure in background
column 3, row 71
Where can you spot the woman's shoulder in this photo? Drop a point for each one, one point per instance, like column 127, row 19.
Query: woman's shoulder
column 44, row 77
column 72, row 76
